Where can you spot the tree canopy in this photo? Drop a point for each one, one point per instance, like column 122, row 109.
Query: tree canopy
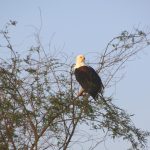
column 39, row 106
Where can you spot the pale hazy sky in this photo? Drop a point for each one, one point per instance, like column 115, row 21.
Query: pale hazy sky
column 84, row 26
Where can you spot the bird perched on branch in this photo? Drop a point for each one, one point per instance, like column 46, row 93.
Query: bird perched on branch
column 88, row 78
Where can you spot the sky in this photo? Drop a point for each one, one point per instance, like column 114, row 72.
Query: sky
column 85, row 26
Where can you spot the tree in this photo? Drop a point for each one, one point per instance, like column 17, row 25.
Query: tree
column 39, row 106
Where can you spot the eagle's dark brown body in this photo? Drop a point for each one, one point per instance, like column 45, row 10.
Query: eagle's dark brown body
column 89, row 80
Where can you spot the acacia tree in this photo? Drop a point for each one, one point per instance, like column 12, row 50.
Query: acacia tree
column 39, row 106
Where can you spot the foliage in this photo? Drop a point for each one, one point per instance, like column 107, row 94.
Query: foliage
column 39, row 108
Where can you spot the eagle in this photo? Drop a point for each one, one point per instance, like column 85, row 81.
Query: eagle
column 88, row 78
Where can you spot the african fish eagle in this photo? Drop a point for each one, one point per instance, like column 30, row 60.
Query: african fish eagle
column 87, row 77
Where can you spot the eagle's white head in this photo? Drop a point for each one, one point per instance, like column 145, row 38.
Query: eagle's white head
column 80, row 61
